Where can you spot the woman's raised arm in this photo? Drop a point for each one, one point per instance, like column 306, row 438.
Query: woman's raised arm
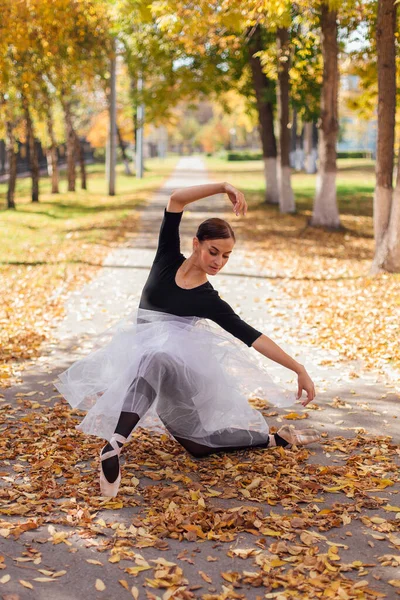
column 183, row 196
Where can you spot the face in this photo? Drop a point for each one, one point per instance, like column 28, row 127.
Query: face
column 212, row 255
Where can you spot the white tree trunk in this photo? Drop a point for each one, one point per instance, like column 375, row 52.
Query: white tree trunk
column 49, row 162
column 310, row 162
column 393, row 259
column 271, row 177
column 387, row 230
column 299, row 159
column 325, row 211
column 286, row 197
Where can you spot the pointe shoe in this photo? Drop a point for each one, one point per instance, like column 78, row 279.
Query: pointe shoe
column 111, row 489
column 298, row 437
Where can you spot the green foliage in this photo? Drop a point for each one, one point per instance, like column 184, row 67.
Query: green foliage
column 244, row 155
column 353, row 154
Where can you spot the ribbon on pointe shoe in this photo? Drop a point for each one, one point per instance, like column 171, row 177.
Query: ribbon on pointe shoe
column 299, row 437
column 108, row 489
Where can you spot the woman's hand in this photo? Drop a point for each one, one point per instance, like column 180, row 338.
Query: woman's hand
column 305, row 383
column 237, row 199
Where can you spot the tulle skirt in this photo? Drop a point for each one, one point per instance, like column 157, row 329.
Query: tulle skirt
column 181, row 374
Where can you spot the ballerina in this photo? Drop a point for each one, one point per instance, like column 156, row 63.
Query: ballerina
column 168, row 363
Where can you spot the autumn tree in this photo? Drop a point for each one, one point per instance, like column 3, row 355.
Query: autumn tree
column 77, row 43
column 265, row 94
column 325, row 210
column 386, row 201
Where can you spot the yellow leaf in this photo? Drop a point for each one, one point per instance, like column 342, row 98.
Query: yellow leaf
column 5, row 532
column 293, row 416
column 270, row 532
column 45, row 572
column 394, row 582
column 378, row 520
column 59, row 573
column 206, row 577
column 124, row 583
column 99, row 585
column 94, row 562
column 136, row 570
column 114, row 559
column 277, row 562
column 5, row 579
column 26, row 584
column 254, row 484
column 135, row 592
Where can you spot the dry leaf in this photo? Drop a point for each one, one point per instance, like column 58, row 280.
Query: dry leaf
column 135, row 592
column 204, row 576
column 99, row 585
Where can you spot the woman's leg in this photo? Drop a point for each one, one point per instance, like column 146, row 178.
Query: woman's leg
column 137, row 401
column 177, row 411
column 200, row 450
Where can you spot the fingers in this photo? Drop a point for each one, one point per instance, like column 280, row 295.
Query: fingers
column 305, row 383
column 240, row 205
column 310, row 395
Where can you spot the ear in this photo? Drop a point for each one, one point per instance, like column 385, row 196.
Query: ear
column 196, row 243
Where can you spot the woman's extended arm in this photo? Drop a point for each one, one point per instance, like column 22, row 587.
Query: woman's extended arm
column 268, row 348
column 183, row 196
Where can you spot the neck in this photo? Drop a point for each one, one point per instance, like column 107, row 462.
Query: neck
column 191, row 270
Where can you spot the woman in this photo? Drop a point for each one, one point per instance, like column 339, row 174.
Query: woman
column 167, row 363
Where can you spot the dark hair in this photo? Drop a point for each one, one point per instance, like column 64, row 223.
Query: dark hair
column 214, row 229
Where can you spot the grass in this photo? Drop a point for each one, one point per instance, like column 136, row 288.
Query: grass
column 87, row 216
column 52, row 247
column 355, row 184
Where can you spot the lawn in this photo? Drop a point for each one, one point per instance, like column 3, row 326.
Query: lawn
column 51, row 247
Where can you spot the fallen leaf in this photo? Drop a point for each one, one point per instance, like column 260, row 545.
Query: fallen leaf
column 26, row 584
column 99, row 585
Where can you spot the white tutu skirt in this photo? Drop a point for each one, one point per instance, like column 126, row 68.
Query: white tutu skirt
column 183, row 374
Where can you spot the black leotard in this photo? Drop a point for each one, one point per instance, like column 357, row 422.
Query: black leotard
column 161, row 293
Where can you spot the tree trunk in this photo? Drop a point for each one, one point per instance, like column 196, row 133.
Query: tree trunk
column 123, row 152
column 386, row 204
column 33, row 153
column 82, row 165
column 12, row 165
column 3, row 153
column 71, row 147
column 52, row 158
column 286, row 196
column 309, row 148
column 264, row 90
column 293, row 131
column 325, row 210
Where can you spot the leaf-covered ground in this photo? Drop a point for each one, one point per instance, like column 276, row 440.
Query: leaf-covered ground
column 299, row 513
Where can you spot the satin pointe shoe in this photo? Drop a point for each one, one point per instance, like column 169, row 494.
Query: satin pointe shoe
column 111, row 489
column 298, row 437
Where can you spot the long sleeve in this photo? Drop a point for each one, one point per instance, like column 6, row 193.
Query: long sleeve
column 169, row 241
column 224, row 315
